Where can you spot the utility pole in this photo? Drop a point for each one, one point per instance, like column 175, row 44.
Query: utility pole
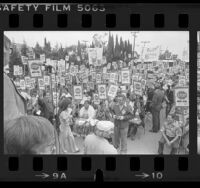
column 134, row 33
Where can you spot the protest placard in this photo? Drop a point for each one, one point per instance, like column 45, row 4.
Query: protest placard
column 78, row 93
column 62, row 81
column 137, row 86
column 16, row 70
column 24, row 60
column 41, row 83
column 112, row 91
column 125, row 77
column 181, row 82
column 181, row 97
column 46, row 80
column 22, row 84
column 20, row 73
column 102, row 91
column 98, row 78
column 96, row 99
column 34, row 68
column 42, row 58
column 27, row 81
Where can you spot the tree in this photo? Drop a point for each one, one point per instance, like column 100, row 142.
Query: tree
column 24, row 49
column 15, row 59
column 117, row 49
column 110, row 48
column 38, row 50
column 79, row 49
column 47, row 48
column 121, row 48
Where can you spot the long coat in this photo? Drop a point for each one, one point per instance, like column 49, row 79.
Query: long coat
column 157, row 100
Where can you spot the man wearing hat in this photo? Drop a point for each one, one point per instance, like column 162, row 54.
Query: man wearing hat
column 97, row 142
column 121, row 114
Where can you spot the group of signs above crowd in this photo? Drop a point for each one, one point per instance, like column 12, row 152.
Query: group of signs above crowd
column 108, row 77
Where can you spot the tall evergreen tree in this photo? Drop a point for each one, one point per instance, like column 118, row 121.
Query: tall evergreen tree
column 37, row 50
column 24, row 49
column 117, row 49
column 79, row 49
column 110, row 48
column 121, row 48
column 15, row 59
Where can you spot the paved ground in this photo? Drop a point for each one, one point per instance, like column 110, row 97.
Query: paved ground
column 145, row 143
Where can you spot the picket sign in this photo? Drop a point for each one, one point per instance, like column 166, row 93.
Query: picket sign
column 78, row 92
column 137, row 88
column 102, row 91
column 22, row 84
column 181, row 96
column 112, row 92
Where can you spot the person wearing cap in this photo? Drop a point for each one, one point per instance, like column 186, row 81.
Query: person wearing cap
column 14, row 103
column 121, row 114
column 97, row 143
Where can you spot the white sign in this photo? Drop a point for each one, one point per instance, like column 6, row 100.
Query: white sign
column 95, row 56
column 24, row 60
column 62, row 81
column 78, row 94
column 27, row 81
column 112, row 92
column 125, row 77
column 96, row 99
column 46, row 80
column 137, row 88
column 112, row 78
column 20, row 71
column 150, row 54
column 98, row 78
column 102, row 91
column 22, row 84
column 42, row 57
column 41, row 83
column 66, row 58
column 16, row 70
column 182, row 97
column 34, row 68
column 182, row 82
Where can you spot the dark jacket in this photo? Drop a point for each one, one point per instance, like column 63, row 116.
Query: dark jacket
column 157, row 100
column 46, row 107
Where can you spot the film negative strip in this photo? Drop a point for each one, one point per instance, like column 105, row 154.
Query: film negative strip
column 99, row 92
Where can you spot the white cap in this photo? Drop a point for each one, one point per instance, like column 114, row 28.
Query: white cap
column 105, row 125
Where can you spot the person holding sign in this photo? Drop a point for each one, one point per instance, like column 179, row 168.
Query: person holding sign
column 121, row 114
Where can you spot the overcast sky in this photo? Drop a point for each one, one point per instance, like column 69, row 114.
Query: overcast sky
column 175, row 41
